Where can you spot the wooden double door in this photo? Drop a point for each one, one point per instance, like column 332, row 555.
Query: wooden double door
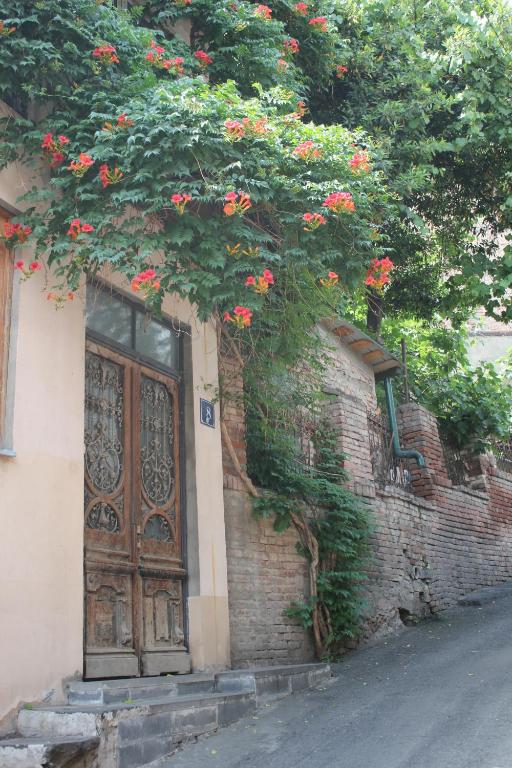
column 134, row 575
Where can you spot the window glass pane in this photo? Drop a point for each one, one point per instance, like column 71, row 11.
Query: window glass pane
column 108, row 315
column 156, row 342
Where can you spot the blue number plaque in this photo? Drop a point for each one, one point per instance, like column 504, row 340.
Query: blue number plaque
column 207, row 413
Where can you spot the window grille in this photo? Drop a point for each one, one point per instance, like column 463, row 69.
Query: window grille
column 456, row 465
column 502, row 450
column 388, row 470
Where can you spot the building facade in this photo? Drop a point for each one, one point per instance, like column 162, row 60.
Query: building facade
column 128, row 543
column 104, row 406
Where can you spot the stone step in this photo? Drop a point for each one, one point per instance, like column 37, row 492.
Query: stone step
column 134, row 733
column 273, row 682
column 137, row 688
column 78, row 752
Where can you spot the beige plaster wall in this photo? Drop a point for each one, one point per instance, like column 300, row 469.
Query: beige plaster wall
column 347, row 371
column 41, row 498
column 41, row 504
column 41, row 494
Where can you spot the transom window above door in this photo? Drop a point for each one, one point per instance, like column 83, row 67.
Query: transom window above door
column 111, row 317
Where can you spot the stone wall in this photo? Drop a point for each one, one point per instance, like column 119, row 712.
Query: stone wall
column 431, row 544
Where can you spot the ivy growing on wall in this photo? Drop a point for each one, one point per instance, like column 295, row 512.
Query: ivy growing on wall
column 333, row 525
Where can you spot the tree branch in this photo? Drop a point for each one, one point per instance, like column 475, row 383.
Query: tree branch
column 234, row 458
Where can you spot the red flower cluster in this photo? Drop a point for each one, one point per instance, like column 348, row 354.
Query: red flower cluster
column 79, row 167
column 33, row 267
column 262, row 283
column 6, row 31
column 146, row 281
column 339, row 202
column 238, row 203
column 241, row 317
column 60, row 299
column 341, row 71
column 16, row 233
column 301, row 9
column 282, row 65
column 359, row 162
column 313, row 221
column 108, row 177
column 263, row 12
column 154, row 56
column 124, row 122
column 180, row 202
column 307, row 151
column 330, row 281
column 291, row 46
column 182, row 3
column 53, row 148
column 177, row 65
column 298, row 114
column 378, row 273
column 76, row 228
column 237, row 129
column 319, row 23
column 203, row 59
column 106, row 54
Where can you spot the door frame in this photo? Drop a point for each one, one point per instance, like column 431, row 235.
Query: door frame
column 181, row 329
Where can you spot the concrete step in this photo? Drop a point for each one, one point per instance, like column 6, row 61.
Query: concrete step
column 132, row 735
column 134, row 732
column 137, row 688
column 75, row 752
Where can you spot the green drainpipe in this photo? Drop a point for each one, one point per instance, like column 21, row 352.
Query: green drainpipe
column 399, row 452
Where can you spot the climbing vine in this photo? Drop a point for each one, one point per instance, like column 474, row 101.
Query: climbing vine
column 332, row 524
column 164, row 162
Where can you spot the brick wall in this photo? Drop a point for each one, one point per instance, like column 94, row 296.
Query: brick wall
column 265, row 572
column 430, row 546
column 265, row 575
column 431, row 550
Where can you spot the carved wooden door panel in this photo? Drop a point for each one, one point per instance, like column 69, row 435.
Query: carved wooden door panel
column 158, row 522
column 133, row 559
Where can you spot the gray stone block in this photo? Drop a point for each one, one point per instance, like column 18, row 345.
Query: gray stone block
column 194, row 721
column 130, row 729
column 317, row 676
column 152, row 749
column 232, row 710
column 233, row 684
column 157, row 725
column 300, row 682
column 130, row 756
column 116, row 695
column 273, row 687
column 201, row 686
column 87, row 696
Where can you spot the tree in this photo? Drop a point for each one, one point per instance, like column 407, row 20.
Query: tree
column 473, row 404
column 431, row 83
column 141, row 124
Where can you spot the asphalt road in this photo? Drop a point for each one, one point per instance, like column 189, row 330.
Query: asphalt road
column 439, row 695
